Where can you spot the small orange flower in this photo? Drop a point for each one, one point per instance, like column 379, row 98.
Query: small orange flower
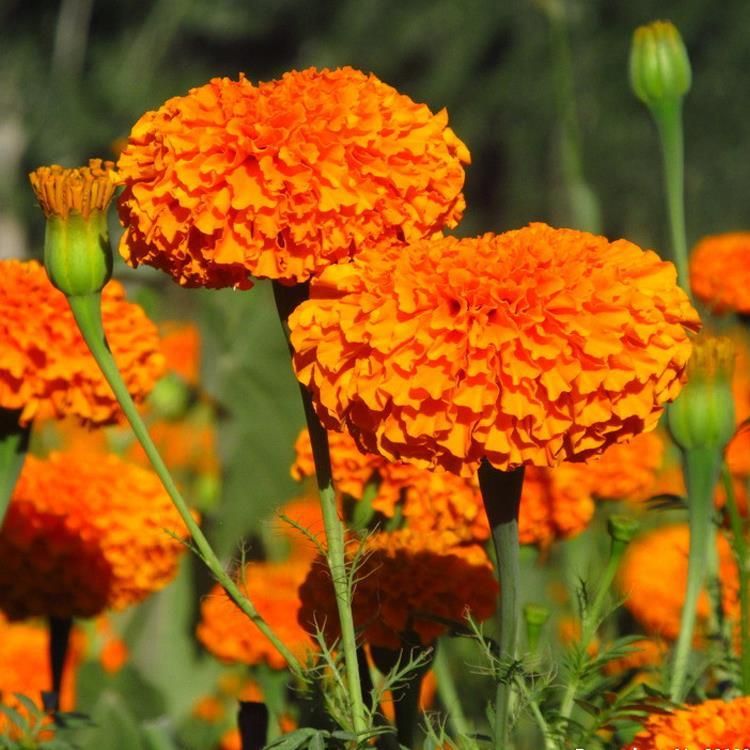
column 720, row 272
column 531, row 347
column 272, row 587
column 408, row 585
column 84, row 533
column 279, row 180
column 714, row 724
column 653, row 577
column 181, row 346
column 46, row 369
column 304, row 513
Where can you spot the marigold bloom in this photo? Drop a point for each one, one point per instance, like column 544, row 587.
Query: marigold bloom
column 408, row 585
column 555, row 503
column 714, row 723
column 653, row 576
column 46, row 369
column 720, row 272
column 181, row 345
column 85, row 533
column 272, row 587
column 279, row 180
column 531, row 347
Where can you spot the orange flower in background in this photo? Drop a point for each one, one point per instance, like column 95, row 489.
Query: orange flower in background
column 272, row 587
column 530, row 347
column 408, row 585
column 720, row 272
column 644, row 655
column 280, row 180
column 304, row 513
column 714, row 723
column 181, row 346
column 653, row 577
column 84, row 533
column 626, row 471
column 46, row 370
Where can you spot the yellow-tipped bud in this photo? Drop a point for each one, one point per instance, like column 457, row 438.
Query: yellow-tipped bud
column 659, row 64
column 77, row 253
column 703, row 414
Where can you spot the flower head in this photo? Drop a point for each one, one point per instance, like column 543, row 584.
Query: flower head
column 84, row 533
column 410, row 585
column 279, row 180
column 46, row 370
column 531, row 347
column 714, row 723
column 272, row 587
column 653, row 577
column 720, row 272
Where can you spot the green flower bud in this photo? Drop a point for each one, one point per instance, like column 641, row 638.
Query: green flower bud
column 703, row 414
column 170, row 397
column 659, row 64
column 77, row 253
column 535, row 616
column 622, row 528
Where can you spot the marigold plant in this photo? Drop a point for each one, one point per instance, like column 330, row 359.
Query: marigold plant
column 281, row 179
column 530, row 347
column 86, row 532
column 713, row 723
column 720, row 272
column 228, row 634
column 409, row 586
column 46, row 369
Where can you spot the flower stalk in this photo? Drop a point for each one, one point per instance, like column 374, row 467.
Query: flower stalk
column 501, row 495
column 287, row 298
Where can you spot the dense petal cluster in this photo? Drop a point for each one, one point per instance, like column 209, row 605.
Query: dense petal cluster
column 272, row 587
column 409, row 586
column 653, row 577
column 531, row 347
column 720, row 272
column 280, row 180
column 84, row 533
column 46, row 369
column 714, row 724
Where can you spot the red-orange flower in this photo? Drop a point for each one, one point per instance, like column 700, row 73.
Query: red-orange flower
column 653, row 577
column 46, row 369
column 531, row 347
column 84, row 533
column 272, row 587
column 181, row 345
column 408, row 585
column 714, row 723
column 720, row 272
column 280, row 180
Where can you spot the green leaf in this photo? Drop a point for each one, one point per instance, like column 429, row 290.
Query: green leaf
column 116, row 727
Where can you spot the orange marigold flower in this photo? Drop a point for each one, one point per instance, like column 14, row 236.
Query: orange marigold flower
column 531, row 347
column 626, row 471
column 84, row 533
column 408, row 585
column 645, row 654
column 46, row 369
column 181, row 346
column 272, row 587
column 653, row 577
column 720, row 272
column 279, row 180
column 714, row 723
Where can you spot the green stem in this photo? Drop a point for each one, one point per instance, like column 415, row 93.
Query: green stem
column 701, row 468
column 287, row 298
column 14, row 443
column 446, row 688
column 549, row 743
column 87, row 312
column 740, row 547
column 501, row 494
column 668, row 118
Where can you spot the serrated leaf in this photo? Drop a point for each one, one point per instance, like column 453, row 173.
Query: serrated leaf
column 16, row 718
column 29, row 705
column 588, row 707
column 294, row 740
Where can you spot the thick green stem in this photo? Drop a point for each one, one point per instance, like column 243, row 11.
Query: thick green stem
column 287, row 298
column 87, row 312
column 501, row 494
column 740, row 547
column 14, row 442
column 701, row 468
column 449, row 697
column 668, row 118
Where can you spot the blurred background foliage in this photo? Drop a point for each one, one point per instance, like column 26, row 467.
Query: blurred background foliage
column 76, row 74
